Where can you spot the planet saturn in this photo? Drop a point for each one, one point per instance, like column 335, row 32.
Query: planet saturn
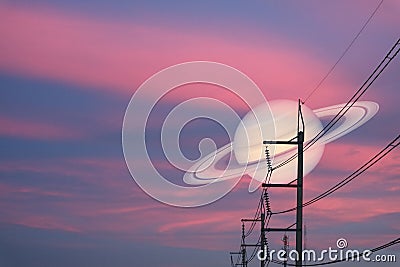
column 245, row 155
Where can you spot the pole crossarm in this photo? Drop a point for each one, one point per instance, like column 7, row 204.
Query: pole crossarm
column 281, row 229
column 280, row 142
column 279, row 185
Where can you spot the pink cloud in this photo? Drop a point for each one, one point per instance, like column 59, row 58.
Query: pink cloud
column 41, row 221
column 347, row 157
column 46, row 222
column 121, row 55
column 10, row 190
column 352, row 209
column 36, row 130
column 131, row 214
column 215, row 221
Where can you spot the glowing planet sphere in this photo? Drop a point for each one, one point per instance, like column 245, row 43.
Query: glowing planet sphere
column 255, row 128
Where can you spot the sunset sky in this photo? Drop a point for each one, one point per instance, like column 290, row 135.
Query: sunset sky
column 68, row 70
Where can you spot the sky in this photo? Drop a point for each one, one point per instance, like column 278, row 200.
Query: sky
column 68, row 70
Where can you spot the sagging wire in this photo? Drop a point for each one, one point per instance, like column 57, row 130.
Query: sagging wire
column 253, row 254
column 264, row 206
column 260, row 206
column 256, row 216
column 267, row 202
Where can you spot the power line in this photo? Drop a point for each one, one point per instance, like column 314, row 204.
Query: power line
column 253, row 254
column 376, row 158
column 375, row 74
column 344, row 52
column 261, row 202
column 356, row 96
column 261, row 208
column 256, row 216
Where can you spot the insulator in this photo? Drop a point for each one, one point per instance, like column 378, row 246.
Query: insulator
column 266, row 196
column 267, row 202
column 268, row 158
column 266, row 248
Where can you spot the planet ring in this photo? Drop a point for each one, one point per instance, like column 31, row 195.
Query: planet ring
column 357, row 115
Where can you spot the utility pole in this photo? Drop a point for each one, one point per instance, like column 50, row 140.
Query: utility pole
column 285, row 240
column 299, row 186
column 243, row 246
column 263, row 240
column 244, row 262
column 299, row 211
